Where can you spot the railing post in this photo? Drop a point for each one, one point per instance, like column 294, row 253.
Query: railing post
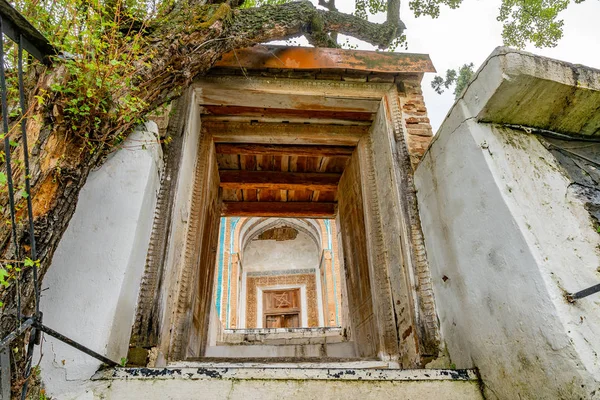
column 5, row 373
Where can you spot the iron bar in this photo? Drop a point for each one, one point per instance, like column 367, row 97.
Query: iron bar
column 76, row 345
column 27, row 174
column 11, row 194
column 17, row 332
column 30, row 347
column 5, row 373
column 583, row 293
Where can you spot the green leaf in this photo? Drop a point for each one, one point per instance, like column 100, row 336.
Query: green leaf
column 3, row 275
column 28, row 262
column 3, row 178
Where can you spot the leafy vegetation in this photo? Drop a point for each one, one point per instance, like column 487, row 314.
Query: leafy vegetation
column 460, row 78
column 524, row 21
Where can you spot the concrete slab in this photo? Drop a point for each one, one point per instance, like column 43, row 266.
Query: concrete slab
column 359, row 364
column 292, row 383
column 289, row 389
column 250, row 373
column 516, row 87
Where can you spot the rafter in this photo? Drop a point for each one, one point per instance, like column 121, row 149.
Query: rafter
column 279, row 209
column 316, row 134
column 274, row 180
column 284, row 150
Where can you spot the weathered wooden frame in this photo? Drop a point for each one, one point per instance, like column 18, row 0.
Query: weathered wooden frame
column 405, row 303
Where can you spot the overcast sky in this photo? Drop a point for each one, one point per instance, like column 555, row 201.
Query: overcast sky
column 470, row 33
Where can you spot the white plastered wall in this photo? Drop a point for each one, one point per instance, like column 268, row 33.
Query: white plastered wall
column 274, row 255
column 90, row 291
column 506, row 240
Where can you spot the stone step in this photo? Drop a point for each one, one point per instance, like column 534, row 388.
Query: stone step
column 279, row 340
column 282, row 336
column 265, row 383
column 286, row 362
column 334, row 350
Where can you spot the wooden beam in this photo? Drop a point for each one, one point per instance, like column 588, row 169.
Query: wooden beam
column 275, row 180
column 222, row 94
column 279, row 209
column 285, row 114
column 284, row 150
column 298, row 93
column 276, row 133
column 311, row 58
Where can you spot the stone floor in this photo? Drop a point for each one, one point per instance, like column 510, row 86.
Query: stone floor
column 266, row 381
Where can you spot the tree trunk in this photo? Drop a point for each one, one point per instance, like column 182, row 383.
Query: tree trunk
column 184, row 45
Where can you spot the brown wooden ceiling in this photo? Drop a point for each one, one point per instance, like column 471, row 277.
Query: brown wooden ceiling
column 280, row 180
column 285, row 122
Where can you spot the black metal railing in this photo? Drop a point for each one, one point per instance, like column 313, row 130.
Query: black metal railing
column 15, row 27
column 572, row 297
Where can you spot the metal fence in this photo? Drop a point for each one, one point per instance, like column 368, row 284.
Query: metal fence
column 16, row 28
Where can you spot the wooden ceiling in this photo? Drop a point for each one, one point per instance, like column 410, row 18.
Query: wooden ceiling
column 280, row 180
column 286, row 121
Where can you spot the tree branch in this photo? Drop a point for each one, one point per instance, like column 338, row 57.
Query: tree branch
column 176, row 48
column 309, row 20
column 393, row 14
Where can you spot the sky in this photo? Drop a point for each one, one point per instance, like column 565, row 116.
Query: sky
column 471, row 33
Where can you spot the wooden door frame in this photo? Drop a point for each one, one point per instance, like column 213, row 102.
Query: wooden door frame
column 411, row 300
column 286, row 312
column 260, row 322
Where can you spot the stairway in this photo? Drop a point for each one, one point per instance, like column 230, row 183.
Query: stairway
column 284, row 364
column 246, row 380
column 282, row 342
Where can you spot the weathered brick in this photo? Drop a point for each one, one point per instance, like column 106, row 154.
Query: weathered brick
column 416, row 120
column 420, row 131
column 384, row 78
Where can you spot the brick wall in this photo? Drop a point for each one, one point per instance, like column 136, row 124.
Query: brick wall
column 414, row 112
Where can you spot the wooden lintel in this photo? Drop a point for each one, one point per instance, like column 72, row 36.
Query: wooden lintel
column 275, row 180
column 298, row 93
column 311, row 58
column 279, row 209
column 221, row 94
column 284, row 150
column 278, row 133
column 285, row 114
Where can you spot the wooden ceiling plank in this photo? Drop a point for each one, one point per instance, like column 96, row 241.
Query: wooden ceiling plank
column 293, row 134
column 279, row 209
column 248, row 162
column 235, row 97
column 274, row 180
column 285, row 163
column 326, row 197
column 336, row 164
column 285, row 119
column 239, row 91
column 284, row 150
column 282, row 114
column 250, row 194
column 228, row 161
